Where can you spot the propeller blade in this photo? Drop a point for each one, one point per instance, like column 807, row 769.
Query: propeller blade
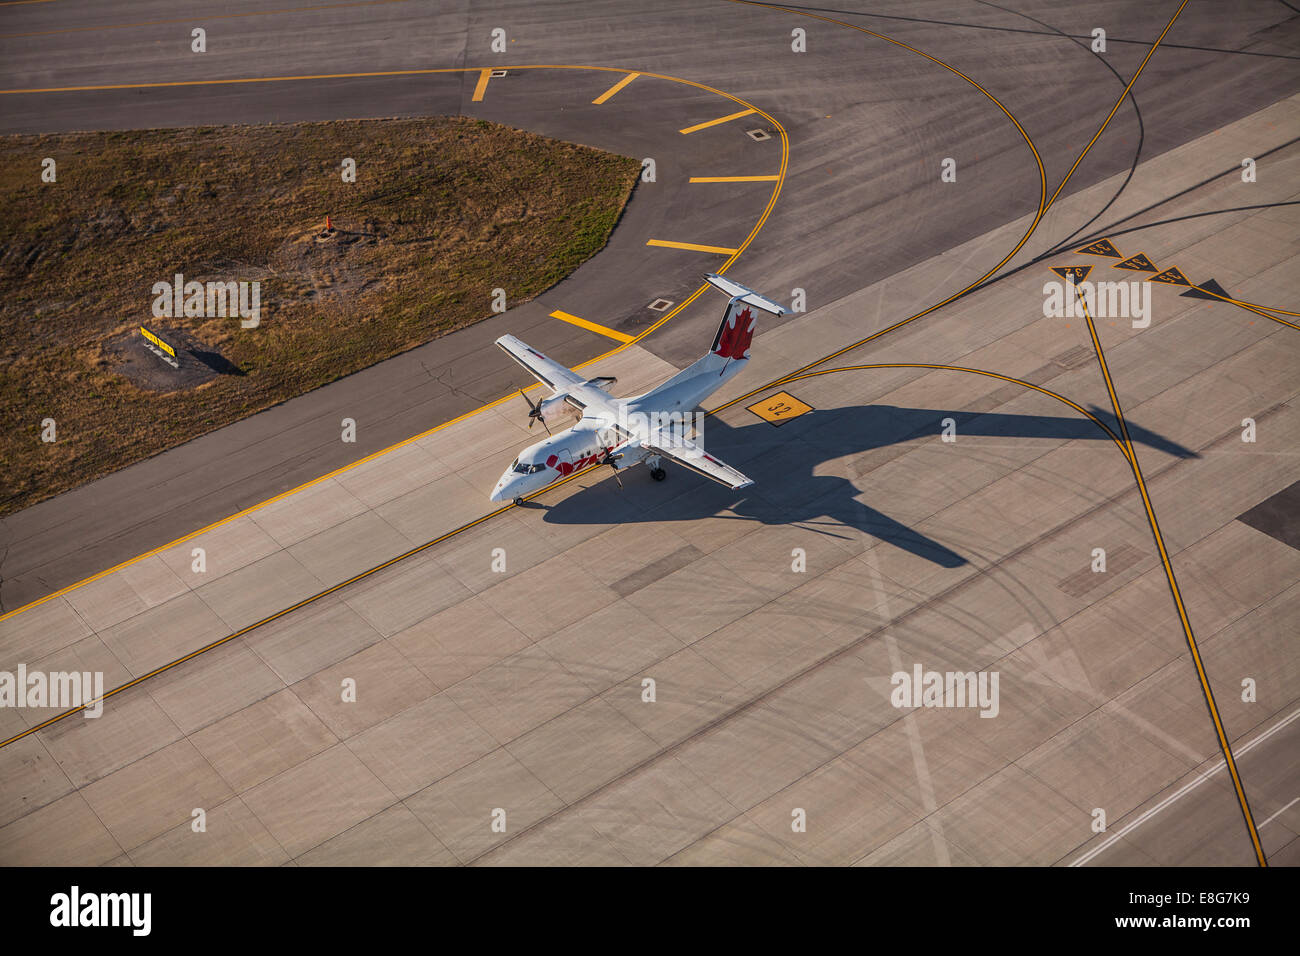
column 534, row 412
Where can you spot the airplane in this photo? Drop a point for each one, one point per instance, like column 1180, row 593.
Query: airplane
column 625, row 432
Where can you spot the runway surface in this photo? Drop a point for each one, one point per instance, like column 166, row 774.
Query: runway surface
column 523, row 690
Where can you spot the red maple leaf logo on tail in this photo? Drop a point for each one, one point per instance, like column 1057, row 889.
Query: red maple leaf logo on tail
column 736, row 335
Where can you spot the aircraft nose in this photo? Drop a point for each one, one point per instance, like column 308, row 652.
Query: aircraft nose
column 506, row 488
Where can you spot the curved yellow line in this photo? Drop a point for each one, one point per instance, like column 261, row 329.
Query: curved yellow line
column 947, row 368
column 1043, row 202
column 1263, row 310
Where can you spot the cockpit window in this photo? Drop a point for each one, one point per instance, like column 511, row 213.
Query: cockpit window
column 522, row 468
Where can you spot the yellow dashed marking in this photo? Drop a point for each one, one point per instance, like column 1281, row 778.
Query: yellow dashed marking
column 591, row 326
column 615, row 88
column 734, row 179
column 720, row 119
column 693, row 247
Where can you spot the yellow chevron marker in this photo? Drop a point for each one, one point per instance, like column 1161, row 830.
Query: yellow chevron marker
column 591, row 326
column 667, row 244
column 720, row 119
column 615, row 88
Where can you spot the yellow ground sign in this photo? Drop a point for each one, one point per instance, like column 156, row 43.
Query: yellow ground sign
column 157, row 341
column 779, row 408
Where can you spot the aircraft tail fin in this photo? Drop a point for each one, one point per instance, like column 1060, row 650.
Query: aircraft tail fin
column 735, row 333
column 729, row 352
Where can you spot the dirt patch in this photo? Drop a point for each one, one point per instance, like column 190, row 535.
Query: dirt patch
column 131, row 355
column 442, row 212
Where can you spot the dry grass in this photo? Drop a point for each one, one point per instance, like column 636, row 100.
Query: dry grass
column 443, row 211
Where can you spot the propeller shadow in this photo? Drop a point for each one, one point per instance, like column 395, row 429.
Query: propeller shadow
column 782, row 462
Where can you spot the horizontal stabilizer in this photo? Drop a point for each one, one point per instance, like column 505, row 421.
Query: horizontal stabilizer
column 745, row 294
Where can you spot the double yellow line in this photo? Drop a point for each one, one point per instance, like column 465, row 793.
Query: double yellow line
column 288, row 610
column 1131, row 455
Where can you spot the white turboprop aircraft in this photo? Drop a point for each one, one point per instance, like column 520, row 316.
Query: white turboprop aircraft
column 622, row 432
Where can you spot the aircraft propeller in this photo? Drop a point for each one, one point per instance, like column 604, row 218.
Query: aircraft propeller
column 534, row 412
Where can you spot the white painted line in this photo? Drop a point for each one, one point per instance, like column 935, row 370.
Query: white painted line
column 926, row 785
column 1182, row 791
column 1279, row 813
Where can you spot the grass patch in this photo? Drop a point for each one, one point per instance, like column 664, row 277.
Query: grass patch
column 442, row 212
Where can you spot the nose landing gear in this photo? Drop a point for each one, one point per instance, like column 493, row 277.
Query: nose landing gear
column 656, row 468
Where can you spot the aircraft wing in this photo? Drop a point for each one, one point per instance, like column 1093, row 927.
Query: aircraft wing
column 548, row 372
column 692, row 456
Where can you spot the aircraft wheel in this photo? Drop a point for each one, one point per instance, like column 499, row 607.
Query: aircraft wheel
column 658, row 474
column 519, row 501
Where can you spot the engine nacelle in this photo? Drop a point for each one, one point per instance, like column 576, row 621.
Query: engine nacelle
column 557, row 410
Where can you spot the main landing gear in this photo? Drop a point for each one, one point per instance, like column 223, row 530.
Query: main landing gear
column 656, row 468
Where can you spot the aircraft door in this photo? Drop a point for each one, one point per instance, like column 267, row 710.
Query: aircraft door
column 563, row 461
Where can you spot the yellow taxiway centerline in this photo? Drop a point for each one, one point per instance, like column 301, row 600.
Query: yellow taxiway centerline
column 1190, row 637
column 1257, row 309
column 481, row 87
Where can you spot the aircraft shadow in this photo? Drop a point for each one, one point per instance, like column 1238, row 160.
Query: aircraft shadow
column 782, row 460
